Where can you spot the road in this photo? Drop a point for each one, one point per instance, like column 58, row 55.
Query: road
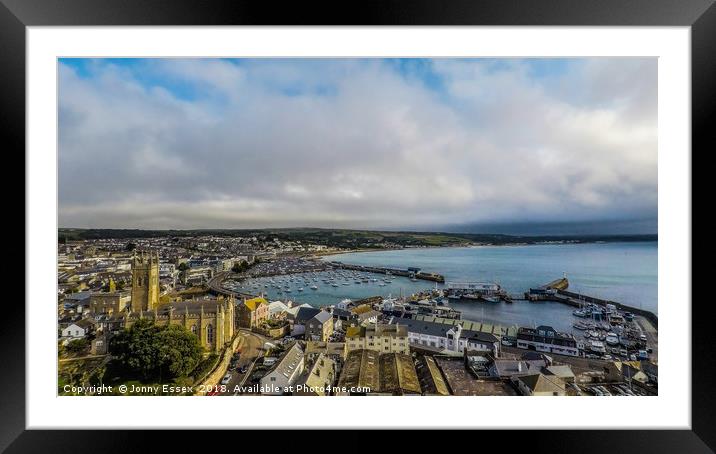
column 652, row 337
column 251, row 347
column 214, row 285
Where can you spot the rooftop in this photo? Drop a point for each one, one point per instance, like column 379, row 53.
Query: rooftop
column 253, row 303
column 539, row 383
column 323, row 316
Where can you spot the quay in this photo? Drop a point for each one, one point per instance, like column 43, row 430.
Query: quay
column 553, row 292
column 410, row 272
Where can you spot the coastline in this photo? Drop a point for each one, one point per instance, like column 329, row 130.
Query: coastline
column 319, row 255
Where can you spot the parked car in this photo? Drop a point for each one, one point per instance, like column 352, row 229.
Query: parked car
column 226, row 379
column 507, row 342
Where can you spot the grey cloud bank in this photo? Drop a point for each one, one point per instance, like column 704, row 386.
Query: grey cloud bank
column 354, row 143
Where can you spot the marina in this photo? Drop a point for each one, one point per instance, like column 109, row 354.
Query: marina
column 602, row 327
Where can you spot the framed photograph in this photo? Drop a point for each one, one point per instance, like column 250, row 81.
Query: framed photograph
column 466, row 216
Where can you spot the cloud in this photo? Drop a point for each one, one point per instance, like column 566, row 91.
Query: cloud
column 201, row 143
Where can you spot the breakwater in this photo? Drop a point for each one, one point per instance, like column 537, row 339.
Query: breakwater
column 410, row 272
column 573, row 297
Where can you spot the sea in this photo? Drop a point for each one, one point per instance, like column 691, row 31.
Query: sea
column 622, row 272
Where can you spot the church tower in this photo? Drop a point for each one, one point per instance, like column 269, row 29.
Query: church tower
column 145, row 281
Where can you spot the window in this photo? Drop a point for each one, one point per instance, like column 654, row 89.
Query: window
column 193, row 329
column 210, row 334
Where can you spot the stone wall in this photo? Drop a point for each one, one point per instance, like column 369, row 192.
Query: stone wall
column 273, row 333
column 222, row 366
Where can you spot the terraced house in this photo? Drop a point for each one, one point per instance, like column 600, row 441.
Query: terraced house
column 251, row 312
column 320, row 327
column 449, row 338
column 378, row 337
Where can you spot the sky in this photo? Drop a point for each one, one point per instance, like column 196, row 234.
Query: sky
column 356, row 143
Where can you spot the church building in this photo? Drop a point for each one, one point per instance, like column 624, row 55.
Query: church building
column 211, row 320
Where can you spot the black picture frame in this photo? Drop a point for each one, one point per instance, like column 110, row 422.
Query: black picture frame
column 700, row 15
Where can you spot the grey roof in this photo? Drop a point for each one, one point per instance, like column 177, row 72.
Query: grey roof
column 478, row 336
column 337, row 312
column 561, row 371
column 323, row 316
column 304, row 314
column 430, row 328
column 510, row 367
column 289, row 360
column 79, row 296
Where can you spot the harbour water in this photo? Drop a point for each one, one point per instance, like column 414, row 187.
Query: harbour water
column 623, row 272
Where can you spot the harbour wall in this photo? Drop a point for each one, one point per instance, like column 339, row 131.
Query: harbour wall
column 433, row 277
column 571, row 296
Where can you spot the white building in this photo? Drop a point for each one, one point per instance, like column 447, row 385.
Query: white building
column 345, row 304
column 277, row 308
column 448, row 338
column 284, row 373
column 77, row 330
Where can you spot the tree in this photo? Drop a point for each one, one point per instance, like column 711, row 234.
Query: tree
column 183, row 266
column 152, row 351
column 77, row 345
column 130, row 247
column 240, row 267
column 180, row 351
column 136, row 348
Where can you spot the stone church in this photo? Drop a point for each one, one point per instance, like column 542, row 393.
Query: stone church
column 145, row 281
column 211, row 320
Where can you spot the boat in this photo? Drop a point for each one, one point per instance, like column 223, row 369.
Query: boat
column 580, row 313
column 314, row 287
column 580, row 326
column 300, row 289
column 597, row 347
column 612, row 339
column 490, row 299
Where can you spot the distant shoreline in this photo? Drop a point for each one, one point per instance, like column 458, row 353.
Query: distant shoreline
column 354, row 251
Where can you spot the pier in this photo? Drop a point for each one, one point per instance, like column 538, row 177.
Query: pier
column 557, row 284
column 410, row 272
column 575, row 299
column 557, row 291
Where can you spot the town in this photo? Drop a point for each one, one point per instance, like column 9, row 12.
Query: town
column 191, row 315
